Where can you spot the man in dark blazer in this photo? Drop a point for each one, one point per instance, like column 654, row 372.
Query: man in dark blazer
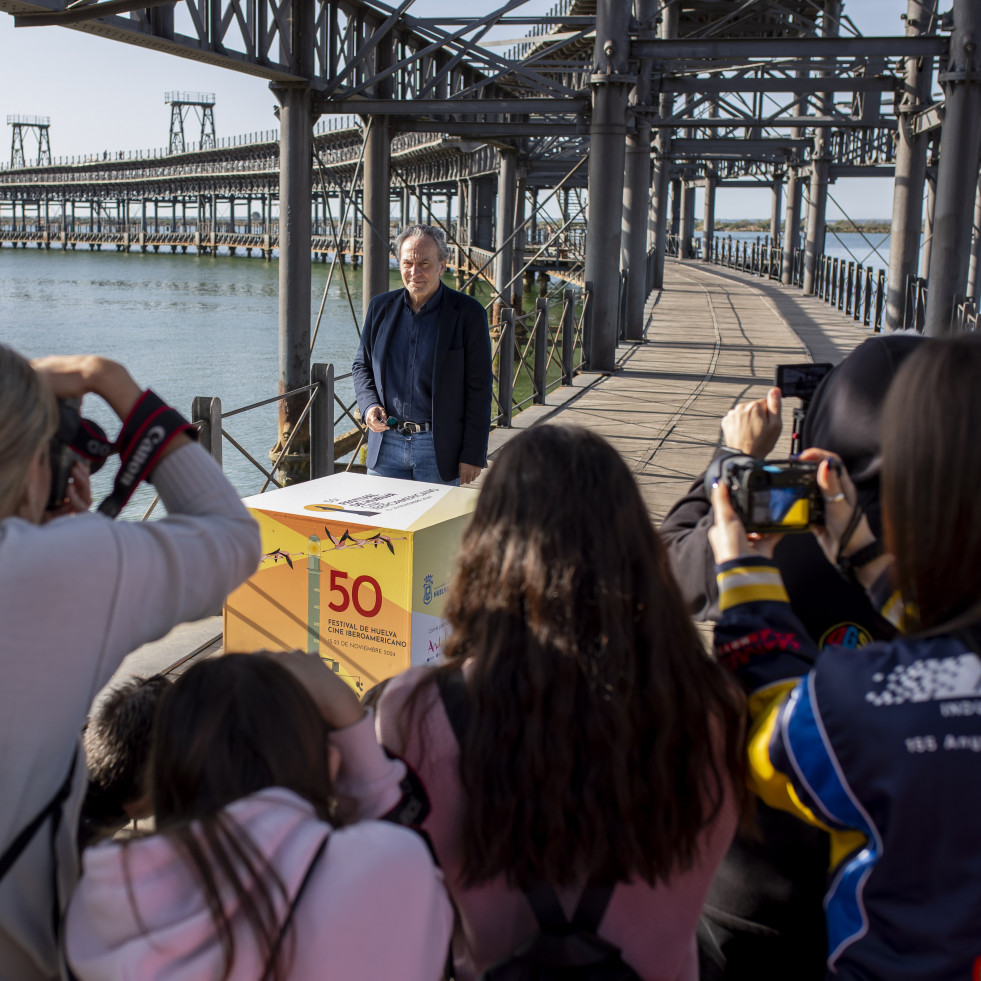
column 422, row 374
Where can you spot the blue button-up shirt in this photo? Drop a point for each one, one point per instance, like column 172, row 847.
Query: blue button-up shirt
column 410, row 356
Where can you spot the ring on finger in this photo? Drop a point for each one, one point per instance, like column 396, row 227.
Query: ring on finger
column 835, row 498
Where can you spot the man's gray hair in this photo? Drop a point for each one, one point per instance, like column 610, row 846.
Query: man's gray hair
column 431, row 231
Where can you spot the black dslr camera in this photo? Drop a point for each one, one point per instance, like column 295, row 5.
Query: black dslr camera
column 75, row 439
column 770, row 495
column 800, row 381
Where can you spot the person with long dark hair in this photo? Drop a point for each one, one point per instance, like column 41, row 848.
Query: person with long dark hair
column 264, row 770
column 880, row 745
column 600, row 744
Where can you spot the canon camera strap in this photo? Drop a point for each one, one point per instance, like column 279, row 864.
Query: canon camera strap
column 148, row 429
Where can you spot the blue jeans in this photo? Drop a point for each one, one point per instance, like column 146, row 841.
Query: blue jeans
column 408, row 458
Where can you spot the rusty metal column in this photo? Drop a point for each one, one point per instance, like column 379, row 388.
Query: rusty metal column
column 816, row 208
column 520, row 241
column 910, row 170
column 708, row 215
column 686, row 249
column 377, row 203
column 677, row 190
column 928, row 212
column 296, row 119
column 974, row 270
column 607, row 141
column 957, row 170
column 506, row 181
column 662, row 163
column 795, row 187
column 636, row 188
column 777, row 204
column 817, row 204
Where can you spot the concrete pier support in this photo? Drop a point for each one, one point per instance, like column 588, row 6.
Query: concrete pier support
column 608, row 131
column 910, row 171
column 296, row 120
column 957, row 171
column 503, row 264
column 816, row 212
column 636, row 190
column 377, row 202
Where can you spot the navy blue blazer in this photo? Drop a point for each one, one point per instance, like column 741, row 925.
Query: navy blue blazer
column 461, row 376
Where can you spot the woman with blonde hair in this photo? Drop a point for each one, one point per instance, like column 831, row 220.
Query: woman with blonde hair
column 595, row 748
column 77, row 593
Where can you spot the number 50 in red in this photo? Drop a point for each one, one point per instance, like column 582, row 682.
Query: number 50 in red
column 356, row 594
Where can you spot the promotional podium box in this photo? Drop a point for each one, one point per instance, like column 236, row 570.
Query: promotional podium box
column 355, row 569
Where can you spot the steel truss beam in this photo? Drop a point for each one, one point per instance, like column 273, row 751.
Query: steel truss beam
column 685, row 49
column 446, row 107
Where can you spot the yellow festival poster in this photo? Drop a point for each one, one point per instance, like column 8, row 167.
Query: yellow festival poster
column 355, row 569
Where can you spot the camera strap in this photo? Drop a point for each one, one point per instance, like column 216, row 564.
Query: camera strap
column 90, row 441
column 147, row 431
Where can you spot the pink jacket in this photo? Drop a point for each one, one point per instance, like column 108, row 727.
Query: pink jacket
column 654, row 927
column 375, row 907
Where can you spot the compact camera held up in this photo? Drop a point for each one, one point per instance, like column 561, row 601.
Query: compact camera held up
column 770, row 495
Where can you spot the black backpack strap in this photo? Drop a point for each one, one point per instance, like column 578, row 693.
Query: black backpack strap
column 592, row 906
column 53, row 807
column 547, row 908
column 587, row 916
column 274, row 950
column 453, row 691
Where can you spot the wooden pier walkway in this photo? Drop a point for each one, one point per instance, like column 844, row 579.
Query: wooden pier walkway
column 714, row 337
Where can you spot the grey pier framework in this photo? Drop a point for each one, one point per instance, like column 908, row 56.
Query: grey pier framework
column 632, row 103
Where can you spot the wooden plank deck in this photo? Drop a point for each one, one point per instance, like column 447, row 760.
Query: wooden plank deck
column 713, row 339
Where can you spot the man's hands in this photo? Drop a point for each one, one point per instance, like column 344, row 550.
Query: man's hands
column 468, row 473
column 375, row 419
column 754, row 427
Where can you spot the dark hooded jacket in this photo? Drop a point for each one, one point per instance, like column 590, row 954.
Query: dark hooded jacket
column 764, row 910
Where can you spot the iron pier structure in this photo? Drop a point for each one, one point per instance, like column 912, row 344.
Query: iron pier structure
column 613, row 110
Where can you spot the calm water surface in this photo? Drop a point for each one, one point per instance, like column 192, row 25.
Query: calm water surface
column 184, row 325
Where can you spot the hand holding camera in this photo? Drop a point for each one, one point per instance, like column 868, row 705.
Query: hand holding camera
column 151, row 430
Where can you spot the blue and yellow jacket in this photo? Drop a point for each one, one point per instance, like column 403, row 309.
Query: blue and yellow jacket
column 881, row 746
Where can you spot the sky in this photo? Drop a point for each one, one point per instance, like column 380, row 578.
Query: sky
column 103, row 95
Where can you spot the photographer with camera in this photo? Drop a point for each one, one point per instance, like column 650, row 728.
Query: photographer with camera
column 764, row 908
column 77, row 593
column 880, row 744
